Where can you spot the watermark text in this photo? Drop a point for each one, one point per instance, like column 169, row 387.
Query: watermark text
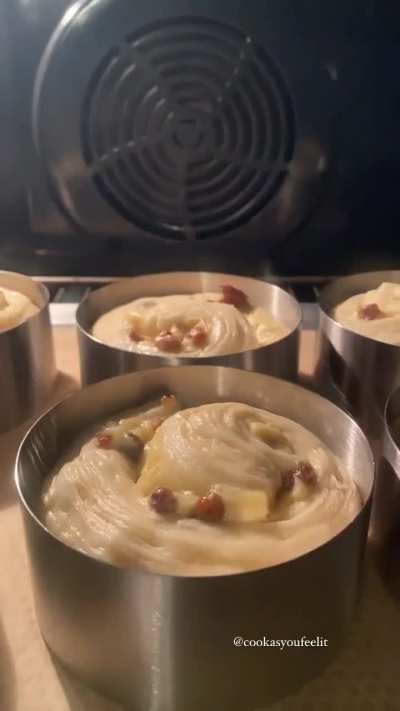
column 281, row 644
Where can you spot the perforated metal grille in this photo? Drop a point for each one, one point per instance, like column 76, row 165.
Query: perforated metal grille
column 187, row 128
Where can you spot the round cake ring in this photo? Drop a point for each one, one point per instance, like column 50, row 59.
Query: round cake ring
column 183, row 128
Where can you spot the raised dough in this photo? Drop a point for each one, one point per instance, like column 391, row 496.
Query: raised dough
column 15, row 308
column 94, row 504
column 230, row 330
column 386, row 329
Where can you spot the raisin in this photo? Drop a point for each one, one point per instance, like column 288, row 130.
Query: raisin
column 163, row 501
column 370, row 312
column 104, row 440
column 287, row 481
column 210, row 508
column 198, row 335
column 303, row 471
column 235, row 297
column 134, row 336
column 168, row 342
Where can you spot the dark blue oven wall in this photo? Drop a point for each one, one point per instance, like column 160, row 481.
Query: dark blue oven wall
column 348, row 54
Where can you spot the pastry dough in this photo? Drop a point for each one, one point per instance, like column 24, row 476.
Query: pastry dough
column 99, row 499
column 15, row 308
column 227, row 328
column 375, row 313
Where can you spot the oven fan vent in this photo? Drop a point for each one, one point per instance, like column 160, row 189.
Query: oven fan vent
column 187, row 128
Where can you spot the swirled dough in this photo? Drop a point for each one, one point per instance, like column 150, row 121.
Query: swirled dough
column 99, row 499
column 381, row 323
column 15, row 308
column 228, row 329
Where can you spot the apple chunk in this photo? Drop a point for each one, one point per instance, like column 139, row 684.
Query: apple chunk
column 243, row 505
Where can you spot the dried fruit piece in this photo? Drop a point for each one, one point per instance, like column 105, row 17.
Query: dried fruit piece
column 163, row 501
column 198, row 334
column 210, row 508
column 126, row 443
column 306, row 473
column 303, row 471
column 134, row 336
column 235, row 297
column 104, row 441
column 168, row 342
column 370, row 312
column 287, row 481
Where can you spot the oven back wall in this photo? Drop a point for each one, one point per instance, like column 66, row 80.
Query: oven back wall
column 331, row 203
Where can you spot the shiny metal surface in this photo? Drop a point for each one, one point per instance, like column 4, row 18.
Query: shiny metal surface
column 385, row 523
column 26, row 356
column 100, row 361
column 166, row 643
column 364, row 370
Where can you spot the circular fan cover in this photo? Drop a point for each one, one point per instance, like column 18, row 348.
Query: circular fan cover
column 187, row 128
